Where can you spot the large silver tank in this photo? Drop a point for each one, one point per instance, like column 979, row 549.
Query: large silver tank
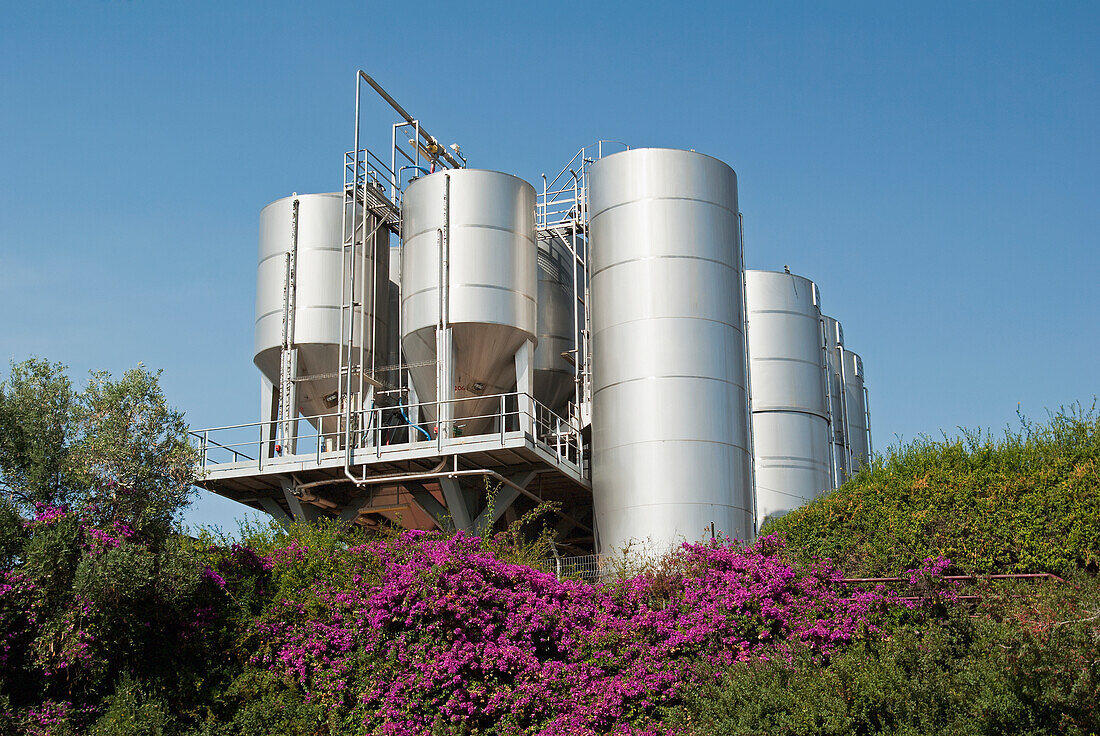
column 834, row 340
column 670, row 418
column 554, row 375
column 859, row 438
column 493, row 285
column 317, row 293
column 790, row 413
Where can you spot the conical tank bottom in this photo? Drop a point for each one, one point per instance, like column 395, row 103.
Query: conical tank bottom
column 483, row 366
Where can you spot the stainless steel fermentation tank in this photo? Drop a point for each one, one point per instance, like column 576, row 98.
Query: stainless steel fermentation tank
column 558, row 329
column 856, row 399
column 670, row 419
column 469, row 292
column 305, row 253
column 790, row 418
column 834, row 341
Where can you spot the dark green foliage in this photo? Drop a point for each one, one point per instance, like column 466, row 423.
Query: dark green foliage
column 115, row 449
column 112, row 624
column 1015, row 668
column 258, row 703
column 1027, row 502
column 134, row 448
column 37, row 432
column 13, row 535
column 131, row 711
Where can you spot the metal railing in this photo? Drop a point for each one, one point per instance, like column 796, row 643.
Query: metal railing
column 589, row 568
column 384, row 430
column 564, row 199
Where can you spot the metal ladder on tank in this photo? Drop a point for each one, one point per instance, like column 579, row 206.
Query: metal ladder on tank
column 367, row 210
column 367, row 205
column 288, row 354
column 833, row 409
column 562, row 212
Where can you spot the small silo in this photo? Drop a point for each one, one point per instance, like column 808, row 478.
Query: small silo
column 834, row 342
column 557, row 327
column 469, row 273
column 859, row 436
column 313, row 242
column 669, row 418
column 790, row 417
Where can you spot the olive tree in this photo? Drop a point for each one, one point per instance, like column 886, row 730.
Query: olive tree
column 38, row 429
column 115, row 449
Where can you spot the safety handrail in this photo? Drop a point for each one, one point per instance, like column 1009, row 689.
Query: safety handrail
column 549, row 430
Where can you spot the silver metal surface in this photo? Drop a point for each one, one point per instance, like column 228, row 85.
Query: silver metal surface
column 469, row 268
column 790, row 404
column 317, row 293
column 834, row 341
column 670, row 418
column 554, row 375
column 793, row 466
column 859, row 434
column 784, row 335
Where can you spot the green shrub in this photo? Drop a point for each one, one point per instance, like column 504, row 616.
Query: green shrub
column 132, row 711
column 259, row 703
column 1026, row 663
column 1027, row 502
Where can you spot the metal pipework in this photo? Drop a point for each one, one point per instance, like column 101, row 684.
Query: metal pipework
column 438, row 472
column 442, row 151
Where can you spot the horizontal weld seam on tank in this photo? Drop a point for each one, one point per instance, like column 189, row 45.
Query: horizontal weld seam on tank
column 593, row 216
column 303, row 308
column 471, row 227
column 790, row 312
column 778, row 359
column 732, row 267
column 301, row 248
column 678, row 503
column 663, row 441
column 736, row 328
column 411, row 334
column 779, row 492
column 667, row 375
column 471, row 285
column 802, row 462
column 788, row 410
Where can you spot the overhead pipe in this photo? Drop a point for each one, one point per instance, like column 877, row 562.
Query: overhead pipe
column 442, row 151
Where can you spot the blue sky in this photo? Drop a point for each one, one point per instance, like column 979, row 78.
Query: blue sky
column 933, row 166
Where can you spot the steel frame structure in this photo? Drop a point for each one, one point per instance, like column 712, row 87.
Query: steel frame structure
column 355, row 432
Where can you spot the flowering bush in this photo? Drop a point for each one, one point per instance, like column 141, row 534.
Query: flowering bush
column 322, row 630
column 437, row 630
column 89, row 603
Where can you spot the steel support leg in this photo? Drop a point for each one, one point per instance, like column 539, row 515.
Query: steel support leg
column 503, row 500
column 303, row 512
column 525, row 387
column 272, row 507
column 456, row 503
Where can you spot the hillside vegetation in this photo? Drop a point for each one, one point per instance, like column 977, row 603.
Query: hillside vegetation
column 113, row 623
column 1028, row 501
